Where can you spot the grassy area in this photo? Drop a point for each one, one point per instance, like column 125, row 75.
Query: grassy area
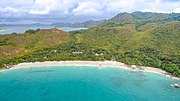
column 152, row 44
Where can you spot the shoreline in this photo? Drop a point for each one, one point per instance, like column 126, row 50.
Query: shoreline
column 2, row 29
column 99, row 64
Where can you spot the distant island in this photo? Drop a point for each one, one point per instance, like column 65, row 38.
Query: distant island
column 138, row 18
column 2, row 29
column 86, row 24
column 138, row 38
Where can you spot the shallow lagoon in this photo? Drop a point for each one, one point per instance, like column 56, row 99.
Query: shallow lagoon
column 84, row 83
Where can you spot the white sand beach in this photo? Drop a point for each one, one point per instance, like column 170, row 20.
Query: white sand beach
column 100, row 64
column 2, row 29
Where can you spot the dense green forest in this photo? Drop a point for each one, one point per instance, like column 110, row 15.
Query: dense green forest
column 138, row 18
column 155, row 44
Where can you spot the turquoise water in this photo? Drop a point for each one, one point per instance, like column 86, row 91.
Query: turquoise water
column 23, row 28
column 72, row 83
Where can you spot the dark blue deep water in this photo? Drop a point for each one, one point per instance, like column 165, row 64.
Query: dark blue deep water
column 82, row 83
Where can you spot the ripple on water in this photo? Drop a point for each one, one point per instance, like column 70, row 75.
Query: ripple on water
column 85, row 84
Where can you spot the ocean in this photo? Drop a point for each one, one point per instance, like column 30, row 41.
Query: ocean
column 22, row 28
column 85, row 83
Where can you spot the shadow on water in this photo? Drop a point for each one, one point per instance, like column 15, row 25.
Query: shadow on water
column 117, row 80
column 138, row 82
column 136, row 77
column 41, row 71
column 36, row 71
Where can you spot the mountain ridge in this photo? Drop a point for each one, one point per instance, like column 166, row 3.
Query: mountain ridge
column 155, row 43
column 137, row 18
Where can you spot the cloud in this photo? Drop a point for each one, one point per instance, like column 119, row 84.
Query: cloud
column 44, row 6
column 83, row 8
column 9, row 9
column 165, row 6
column 87, row 8
column 120, row 5
column 161, row 6
column 177, row 10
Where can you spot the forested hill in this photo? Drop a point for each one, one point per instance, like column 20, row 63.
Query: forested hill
column 140, row 18
column 12, row 45
column 137, row 18
column 86, row 24
column 155, row 44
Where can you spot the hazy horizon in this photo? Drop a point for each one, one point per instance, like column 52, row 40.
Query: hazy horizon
column 55, row 11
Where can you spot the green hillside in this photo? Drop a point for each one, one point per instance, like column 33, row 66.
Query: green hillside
column 86, row 24
column 141, row 18
column 137, row 18
column 12, row 45
column 154, row 44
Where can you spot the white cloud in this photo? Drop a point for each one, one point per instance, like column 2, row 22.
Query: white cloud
column 9, row 9
column 87, row 8
column 44, row 6
column 35, row 11
column 177, row 10
column 160, row 6
column 143, row 5
column 84, row 7
column 120, row 5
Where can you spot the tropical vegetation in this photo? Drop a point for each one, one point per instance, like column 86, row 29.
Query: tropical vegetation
column 138, row 40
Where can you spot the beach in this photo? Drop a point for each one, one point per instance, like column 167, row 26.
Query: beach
column 99, row 64
column 2, row 29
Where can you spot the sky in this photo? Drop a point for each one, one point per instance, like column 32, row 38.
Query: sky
column 80, row 10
